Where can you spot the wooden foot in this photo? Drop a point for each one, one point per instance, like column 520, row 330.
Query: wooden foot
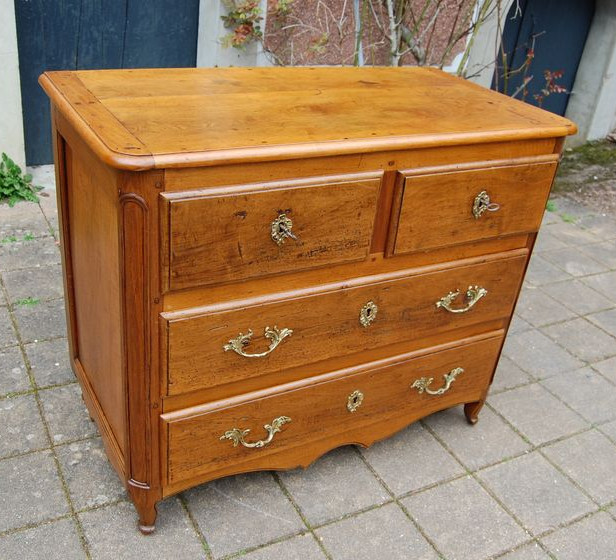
column 471, row 411
column 147, row 518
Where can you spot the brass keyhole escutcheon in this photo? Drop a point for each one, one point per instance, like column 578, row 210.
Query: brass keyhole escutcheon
column 354, row 401
column 367, row 315
column 281, row 229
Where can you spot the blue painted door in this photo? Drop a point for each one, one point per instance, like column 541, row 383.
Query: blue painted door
column 557, row 29
column 92, row 34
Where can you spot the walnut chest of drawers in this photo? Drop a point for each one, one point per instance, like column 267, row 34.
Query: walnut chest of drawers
column 261, row 265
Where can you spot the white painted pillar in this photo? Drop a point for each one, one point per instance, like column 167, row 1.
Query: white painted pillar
column 11, row 117
column 210, row 51
column 592, row 105
column 486, row 45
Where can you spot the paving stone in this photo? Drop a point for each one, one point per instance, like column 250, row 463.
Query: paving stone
column 609, row 430
column 538, row 355
column 540, row 496
column 42, row 321
column 58, row 540
column 111, row 533
column 572, row 234
column 44, row 176
column 66, row 414
column 542, row 272
column 243, row 511
column 37, row 252
column 90, row 477
column 23, row 219
column 7, row 333
column 303, row 547
column 518, row 325
column 487, row 442
column 507, row 376
column 578, row 297
column 605, row 253
column 530, row 551
column 384, row 532
column 30, row 491
column 576, row 334
column 602, row 226
column 549, row 218
column 49, row 362
column 36, row 283
column 537, row 414
column 574, row 262
column 607, row 368
column 605, row 320
column 547, row 241
column 13, row 375
column 411, row 459
column 592, row 538
column 460, row 518
column 539, row 309
column 336, row 475
column 589, row 459
column 21, row 427
column 587, row 392
column 603, row 283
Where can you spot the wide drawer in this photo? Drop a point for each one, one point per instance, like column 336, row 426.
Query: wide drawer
column 214, row 347
column 292, row 425
column 233, row 233
column 452, row 207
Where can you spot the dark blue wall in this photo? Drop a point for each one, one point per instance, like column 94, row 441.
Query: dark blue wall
column 560, row 28
column 90, row 34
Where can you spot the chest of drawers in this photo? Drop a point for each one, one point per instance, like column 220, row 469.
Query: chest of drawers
column 261, row 265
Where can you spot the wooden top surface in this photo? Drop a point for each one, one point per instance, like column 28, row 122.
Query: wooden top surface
column 142, row 119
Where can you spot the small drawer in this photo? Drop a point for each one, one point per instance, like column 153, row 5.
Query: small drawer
column 452, row 207
column 243, row 340
column 226, row 234
column 282, row 428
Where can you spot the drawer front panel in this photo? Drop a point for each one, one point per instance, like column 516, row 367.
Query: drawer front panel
column 329, row 324
column 450, row 208
column 285, row 429
column 228, row 234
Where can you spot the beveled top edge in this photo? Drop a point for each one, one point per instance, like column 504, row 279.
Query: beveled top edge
column 115, row 145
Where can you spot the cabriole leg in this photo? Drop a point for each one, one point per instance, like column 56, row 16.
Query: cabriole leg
column 471, row 411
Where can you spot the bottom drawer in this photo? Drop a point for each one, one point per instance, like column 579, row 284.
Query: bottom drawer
column 291, row 425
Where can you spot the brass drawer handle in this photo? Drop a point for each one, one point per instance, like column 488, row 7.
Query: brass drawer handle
column 482, row 204
column 473, row 295
column 422, row 384
column 275, row 335
column 237, row 436
column 281, row 229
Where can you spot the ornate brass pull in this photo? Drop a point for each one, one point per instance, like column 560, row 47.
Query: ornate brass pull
column 281, row 229
column 422, row 384
column 275, row 335
column 354, row 401
column 367, row 314
column 473, row 295
column 237, row 436
column 482, row 203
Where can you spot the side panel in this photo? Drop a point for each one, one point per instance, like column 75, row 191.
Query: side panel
column 92, row 228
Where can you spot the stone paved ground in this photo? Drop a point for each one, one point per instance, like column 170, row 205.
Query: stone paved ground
column 535, row 479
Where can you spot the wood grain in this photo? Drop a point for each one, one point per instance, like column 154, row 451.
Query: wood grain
column 195, row 117
column 195, row 450
column 223, row 235
column 436, row 208
column 326, row 325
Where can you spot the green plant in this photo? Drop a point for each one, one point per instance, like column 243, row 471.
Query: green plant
column 14, row 184
column 27, row 301
column 29, row 237
column 9, row 239
column 568, row 218
column 243, row 18
column 551, row 206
